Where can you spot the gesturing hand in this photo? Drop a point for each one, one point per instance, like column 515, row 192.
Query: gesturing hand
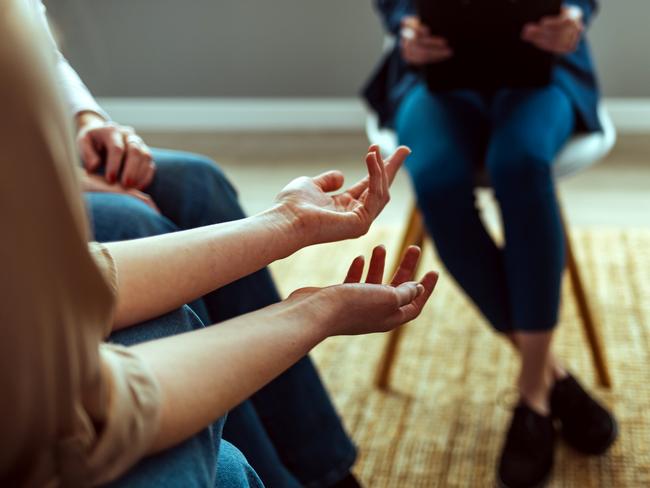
column 418, row 46
column 320, row 217
column 557, row 34
column 118, row 148
column 362, row 308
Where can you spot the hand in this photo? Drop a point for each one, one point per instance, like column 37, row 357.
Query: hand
column 355, row 308
column 319, row 217
column 558, row 34
column 418, row 46
column 118, row 148
column 96, row 183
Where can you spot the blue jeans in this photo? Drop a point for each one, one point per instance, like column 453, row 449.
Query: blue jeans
column 289, row 431
column 515, row 135
column 204, row 459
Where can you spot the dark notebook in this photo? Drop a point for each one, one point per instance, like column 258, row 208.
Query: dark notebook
column 485, row 36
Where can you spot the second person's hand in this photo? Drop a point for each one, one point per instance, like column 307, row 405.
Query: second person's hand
column 97, row 184
column 418, row 46
column 558, row 34
column 116, row 148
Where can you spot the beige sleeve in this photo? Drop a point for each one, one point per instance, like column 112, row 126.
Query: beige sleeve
column 106, row 265
column 132, row 419
column 133, row 416
column 72, row 410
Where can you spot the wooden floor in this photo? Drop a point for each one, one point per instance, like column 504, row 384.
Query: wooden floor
column 615, row 192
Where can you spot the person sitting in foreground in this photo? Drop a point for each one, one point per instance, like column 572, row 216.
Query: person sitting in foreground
column 76, row 412
column 515, row 134
column 275, row 429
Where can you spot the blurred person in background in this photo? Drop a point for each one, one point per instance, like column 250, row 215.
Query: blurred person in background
column 515, row 134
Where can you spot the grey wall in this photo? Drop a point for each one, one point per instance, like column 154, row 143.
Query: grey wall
column 284, row 48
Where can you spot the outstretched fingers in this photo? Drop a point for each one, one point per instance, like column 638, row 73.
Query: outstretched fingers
column 355, row 272
column 386, row 184
column 395, row 161
column 375, row 269
column 388, row 171
column 407, row 266
column 377, row 264
column 374, row 196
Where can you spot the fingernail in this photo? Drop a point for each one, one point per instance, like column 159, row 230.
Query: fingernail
column 111, row 177
column 129, row 182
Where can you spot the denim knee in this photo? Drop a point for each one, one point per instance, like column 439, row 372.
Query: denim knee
column 177, row 322
column 434, row 187
column 192, row 190
column 118, row 217
column 204, row 171
column 233, row 470
column 517, row 171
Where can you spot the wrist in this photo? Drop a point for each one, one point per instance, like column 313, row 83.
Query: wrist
column 317, row 316
column 87, row 119
column 290, row 226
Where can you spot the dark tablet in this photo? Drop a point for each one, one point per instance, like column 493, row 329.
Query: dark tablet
column 486, row 38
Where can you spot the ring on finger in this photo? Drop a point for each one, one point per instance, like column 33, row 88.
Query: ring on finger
column 134, row 140
column 407, row 33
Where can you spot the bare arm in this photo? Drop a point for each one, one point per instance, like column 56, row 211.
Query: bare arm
column 218, row 367
column 159, row 274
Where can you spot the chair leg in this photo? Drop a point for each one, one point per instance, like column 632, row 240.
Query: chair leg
column 584, row 309
column 414, row 235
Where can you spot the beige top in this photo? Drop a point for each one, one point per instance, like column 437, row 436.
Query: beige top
column 73, row 411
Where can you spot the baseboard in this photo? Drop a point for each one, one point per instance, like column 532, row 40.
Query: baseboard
column 237, row 114
column 630, row 115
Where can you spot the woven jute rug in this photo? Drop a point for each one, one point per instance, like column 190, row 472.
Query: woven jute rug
column 442, row 423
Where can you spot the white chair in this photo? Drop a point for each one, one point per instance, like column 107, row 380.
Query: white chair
column 579, row 153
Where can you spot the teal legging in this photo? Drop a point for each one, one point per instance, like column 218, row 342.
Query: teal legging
column 515, row 135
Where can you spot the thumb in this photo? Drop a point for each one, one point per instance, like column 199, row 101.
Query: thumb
column 407, row 292
column 329, row 181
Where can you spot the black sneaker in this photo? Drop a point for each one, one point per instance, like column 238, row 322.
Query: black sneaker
column 586, row 425
column 527, row 456
column 350, row 481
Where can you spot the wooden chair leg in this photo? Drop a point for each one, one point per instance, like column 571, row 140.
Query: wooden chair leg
column 414, row 235
column 584, row 309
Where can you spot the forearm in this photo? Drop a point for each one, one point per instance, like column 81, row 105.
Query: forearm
column 159, row 274
column 206, row 373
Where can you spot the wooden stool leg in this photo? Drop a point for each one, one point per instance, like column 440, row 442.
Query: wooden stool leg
column 414, row 235
column 584, row 309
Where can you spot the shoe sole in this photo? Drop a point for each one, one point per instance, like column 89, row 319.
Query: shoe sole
column 501, row 484
column 610, row 442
